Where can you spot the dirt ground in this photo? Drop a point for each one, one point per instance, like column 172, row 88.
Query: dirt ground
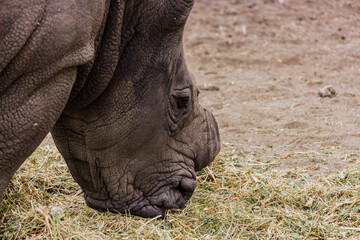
column 269, row 59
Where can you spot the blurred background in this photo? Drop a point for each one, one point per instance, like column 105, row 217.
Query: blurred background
column 261, row 64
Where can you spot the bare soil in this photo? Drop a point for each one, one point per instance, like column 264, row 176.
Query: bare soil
column 269, row 59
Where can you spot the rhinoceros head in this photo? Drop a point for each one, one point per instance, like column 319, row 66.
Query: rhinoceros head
column 137, row 146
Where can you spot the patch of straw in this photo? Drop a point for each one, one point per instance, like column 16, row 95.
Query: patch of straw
column 231, row 202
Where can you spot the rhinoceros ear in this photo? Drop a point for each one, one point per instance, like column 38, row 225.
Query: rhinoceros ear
column 175, row 13
column 180, row 5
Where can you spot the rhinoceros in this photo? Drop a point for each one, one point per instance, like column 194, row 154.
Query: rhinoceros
column 109, row 80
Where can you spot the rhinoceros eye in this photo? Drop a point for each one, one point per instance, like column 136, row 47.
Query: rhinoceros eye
column 181, row 98
column 179, row 108
column 182, row 102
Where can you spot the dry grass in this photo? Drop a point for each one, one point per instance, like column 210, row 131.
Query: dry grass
column 231, row 202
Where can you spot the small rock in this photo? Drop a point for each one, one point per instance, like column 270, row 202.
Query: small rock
column 327, row 91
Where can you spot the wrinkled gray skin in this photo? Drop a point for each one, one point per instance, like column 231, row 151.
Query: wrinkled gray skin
column 109, row 80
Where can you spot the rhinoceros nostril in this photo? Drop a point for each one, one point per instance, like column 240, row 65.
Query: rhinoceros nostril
column 187, row 185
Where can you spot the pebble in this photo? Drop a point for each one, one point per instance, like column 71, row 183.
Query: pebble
column 327, row 91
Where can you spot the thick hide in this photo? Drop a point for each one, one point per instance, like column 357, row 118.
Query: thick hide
column 109, row 80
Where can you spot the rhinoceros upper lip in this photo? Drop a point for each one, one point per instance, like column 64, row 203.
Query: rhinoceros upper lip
column 173, row 199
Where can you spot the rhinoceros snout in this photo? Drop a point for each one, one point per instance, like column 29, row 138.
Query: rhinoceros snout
column 214, row 136
column 208, row 152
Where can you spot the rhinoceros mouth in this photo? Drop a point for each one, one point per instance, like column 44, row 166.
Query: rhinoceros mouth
column 159, row 205
column 155, row 205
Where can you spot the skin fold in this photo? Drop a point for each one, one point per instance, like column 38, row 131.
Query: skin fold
column 110, row 81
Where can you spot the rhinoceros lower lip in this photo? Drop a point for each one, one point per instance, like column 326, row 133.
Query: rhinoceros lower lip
column 151, row 206
column 148, row 211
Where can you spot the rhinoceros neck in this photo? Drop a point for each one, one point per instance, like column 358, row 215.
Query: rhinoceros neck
column 93, row 77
